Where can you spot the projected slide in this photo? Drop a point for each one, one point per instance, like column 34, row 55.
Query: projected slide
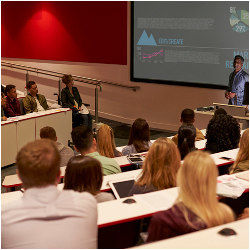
column 188, row 43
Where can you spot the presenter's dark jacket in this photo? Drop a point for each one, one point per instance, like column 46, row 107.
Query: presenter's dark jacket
column 12, row 107
column 68, row 99
column 171, row 223
column 237, row 85
column 30, row 104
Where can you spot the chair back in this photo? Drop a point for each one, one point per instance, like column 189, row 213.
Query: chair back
column 21, row 106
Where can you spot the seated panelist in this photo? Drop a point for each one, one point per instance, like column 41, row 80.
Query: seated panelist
column 71, row 99
column 3, row 105
column 12, row 104
column 34, row 102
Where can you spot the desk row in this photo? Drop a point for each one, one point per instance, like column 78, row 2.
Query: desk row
column 144, row 206
column 12, row 181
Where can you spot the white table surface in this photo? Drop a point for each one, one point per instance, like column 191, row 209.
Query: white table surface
column 26, row 128
column 122, row 161
column 115, row 211
column 207, row 239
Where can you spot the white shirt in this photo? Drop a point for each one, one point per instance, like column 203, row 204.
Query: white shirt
column 39, row 106
column 49, row 218
column 84, row 110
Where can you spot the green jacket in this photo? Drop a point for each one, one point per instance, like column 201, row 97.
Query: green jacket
column 68, row 99
column 30, row 105
column 109, row 165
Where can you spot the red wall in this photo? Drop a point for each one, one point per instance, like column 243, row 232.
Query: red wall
column 93, row 32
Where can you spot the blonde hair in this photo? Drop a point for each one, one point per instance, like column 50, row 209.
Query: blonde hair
column 243, row 153
column 161, row 165
column 38, row 163
column 197, row 179
column 105, row 141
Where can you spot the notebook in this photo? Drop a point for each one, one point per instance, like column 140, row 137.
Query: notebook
column 243, row 175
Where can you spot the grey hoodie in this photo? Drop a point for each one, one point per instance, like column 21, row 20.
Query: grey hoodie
column 65, row 152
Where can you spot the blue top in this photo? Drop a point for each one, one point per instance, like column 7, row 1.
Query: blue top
column 237, row 85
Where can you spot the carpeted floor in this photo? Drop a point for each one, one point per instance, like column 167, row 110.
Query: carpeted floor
column 121, row 132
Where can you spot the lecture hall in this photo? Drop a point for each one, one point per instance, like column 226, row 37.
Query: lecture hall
column 124, row 124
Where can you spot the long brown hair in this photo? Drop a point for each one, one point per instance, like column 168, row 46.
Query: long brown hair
column 186, row 139
column 139, row 135
column 197, row 179
column 243, row 153
column 105, row 141
column 161, row 165
column 83, row 173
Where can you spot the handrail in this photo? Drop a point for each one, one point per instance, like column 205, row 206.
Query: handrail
column 49, row 72
column 56, row 74
column 87, row 80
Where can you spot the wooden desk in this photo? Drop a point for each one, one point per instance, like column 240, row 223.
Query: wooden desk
column 17, row 131
column 207, row 239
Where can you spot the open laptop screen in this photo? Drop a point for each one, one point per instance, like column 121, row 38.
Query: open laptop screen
column 121, row 188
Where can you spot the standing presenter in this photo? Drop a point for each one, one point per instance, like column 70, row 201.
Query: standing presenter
column 237, row 80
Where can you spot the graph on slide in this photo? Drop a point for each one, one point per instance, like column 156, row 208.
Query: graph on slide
column 239, row 21
column 155, row 55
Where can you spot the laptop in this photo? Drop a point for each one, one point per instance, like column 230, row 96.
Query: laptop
column 121, row 188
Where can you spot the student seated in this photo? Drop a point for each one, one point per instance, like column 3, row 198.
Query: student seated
column 106, row 142
column 186, row 139
column 139, row 138
column 34, row 102
column 84, row 174
column 159, row 168
column 71, row 99
column 197, row 206
column 223, row 133
column 85, row 143
column 242, row 160
column 45, row 217
column 12, row 104
column 3, row 105
column 187, row 118
column 65, row 152
column 220, row 111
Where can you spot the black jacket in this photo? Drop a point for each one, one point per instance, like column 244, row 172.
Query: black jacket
column 68, row 99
